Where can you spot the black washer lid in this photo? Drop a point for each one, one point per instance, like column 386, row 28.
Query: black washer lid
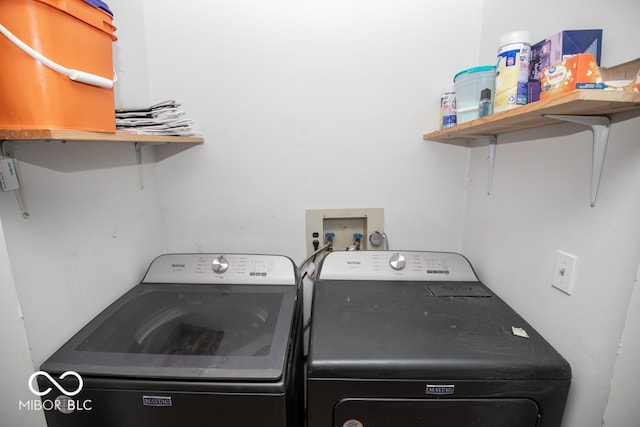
column 185, row 332
column 189, row 320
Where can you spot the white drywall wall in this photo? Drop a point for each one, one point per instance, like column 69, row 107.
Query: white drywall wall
column 309, row 105
column 15, row 355
column 622, row 408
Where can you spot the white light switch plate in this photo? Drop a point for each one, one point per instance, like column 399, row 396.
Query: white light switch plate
column 564, row 272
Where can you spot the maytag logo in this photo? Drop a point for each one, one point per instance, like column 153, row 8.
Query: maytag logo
column 158, row 401
column 440, row 389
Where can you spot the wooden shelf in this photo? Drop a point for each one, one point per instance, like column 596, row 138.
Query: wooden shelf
column 74, row 135
column 592, row 108
column 9, row 138
column 582, row 102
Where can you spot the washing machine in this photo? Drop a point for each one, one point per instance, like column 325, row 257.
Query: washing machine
column 203, row 339
column 415, row 338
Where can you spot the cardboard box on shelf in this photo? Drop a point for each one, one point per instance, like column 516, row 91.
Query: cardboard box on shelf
column 557, row 48
column 577, row 72
column 582, row 72
column 622, row 77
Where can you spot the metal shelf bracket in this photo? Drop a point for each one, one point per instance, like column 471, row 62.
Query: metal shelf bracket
column 8, row 149
column 138, row 149
column 493, row 142
column 600, row 126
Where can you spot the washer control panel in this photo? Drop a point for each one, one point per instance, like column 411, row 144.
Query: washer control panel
column 222, row 268
column 397, row 265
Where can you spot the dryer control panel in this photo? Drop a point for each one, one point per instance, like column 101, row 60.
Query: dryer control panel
column 397, row 265
column 247, row 269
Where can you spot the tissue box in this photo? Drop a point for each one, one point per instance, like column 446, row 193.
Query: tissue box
column 577, row 72
column 557, row 48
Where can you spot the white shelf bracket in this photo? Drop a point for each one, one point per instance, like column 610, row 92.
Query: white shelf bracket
column 493, row 142
column 137, row 146
column 8, row 149
column 600, row 126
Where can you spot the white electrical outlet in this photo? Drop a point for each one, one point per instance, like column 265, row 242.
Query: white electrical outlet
column 344, row 224
column 564, row 272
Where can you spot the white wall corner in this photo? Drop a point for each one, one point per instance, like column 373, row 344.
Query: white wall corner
column 15, row 352
column 622, row 408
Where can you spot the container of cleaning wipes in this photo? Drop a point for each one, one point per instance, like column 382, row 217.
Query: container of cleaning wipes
column 448, row 108
column 512, row 70
column 57, row 65
column 469, row 85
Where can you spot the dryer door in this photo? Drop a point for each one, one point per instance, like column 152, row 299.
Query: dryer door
column 446, row 412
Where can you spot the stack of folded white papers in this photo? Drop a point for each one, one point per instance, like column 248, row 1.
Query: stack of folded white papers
column 164, row 118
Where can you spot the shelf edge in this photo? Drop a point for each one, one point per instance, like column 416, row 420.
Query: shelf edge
column 74, row 135
column 531, row 115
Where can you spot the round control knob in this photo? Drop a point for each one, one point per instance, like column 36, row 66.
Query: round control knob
column 397, row 261
column 220, row 264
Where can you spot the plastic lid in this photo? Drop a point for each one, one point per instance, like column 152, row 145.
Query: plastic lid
column 475, row 70
column 522, row 36
column 100, row 5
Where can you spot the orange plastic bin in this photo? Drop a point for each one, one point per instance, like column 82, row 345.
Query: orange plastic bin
column 75, row 36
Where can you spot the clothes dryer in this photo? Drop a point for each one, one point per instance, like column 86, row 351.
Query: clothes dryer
column 414, row 338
